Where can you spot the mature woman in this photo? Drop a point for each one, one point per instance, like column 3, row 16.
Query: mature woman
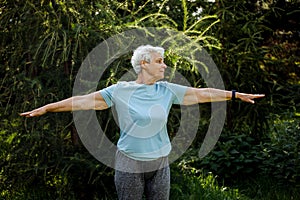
column 143, row 106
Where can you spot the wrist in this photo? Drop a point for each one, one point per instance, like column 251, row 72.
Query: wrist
column 47, row 108
column 233, row 95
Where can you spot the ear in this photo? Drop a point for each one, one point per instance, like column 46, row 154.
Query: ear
column 143, row 63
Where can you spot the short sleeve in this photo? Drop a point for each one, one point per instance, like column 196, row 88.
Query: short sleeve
column 107, row 94
column 178, row 91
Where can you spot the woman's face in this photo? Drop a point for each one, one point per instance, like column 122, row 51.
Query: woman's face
column 156, row 67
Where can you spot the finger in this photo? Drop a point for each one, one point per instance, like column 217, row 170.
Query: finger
column 259, row 95
column 255, row 96
column 27, row 114
column 249, row 99
column 24, row 114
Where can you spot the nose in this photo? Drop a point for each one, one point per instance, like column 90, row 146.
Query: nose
column 164, row 65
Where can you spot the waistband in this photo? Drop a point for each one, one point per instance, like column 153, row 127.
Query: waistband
column 126, row 164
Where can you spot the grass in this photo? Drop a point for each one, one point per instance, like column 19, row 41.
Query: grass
column 193, row 185
column 268, row 188
column 188, row 184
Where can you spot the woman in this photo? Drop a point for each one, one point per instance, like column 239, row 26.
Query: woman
column 143, row 106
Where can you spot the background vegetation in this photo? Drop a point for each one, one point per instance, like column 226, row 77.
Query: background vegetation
column 254, row 43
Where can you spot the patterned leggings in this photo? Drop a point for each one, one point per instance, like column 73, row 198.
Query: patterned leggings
column 132, row 186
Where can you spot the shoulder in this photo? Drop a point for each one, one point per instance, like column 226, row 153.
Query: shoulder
column 118, row 85
column 125, row 83
column 164, row 84
column 170, row 85
column 123, row 86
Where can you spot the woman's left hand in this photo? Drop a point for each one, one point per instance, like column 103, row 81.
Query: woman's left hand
column 248, row 97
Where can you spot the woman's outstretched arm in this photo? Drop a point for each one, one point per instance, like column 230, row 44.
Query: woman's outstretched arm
column 93, row 101
column 203, row 95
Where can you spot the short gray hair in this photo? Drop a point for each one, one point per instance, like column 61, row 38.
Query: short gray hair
column 144, row 53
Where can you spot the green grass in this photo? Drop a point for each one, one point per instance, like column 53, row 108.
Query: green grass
column 267, row 188
column 187, row 184
column 192, row 184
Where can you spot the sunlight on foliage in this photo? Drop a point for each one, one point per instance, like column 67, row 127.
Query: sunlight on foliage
column 255, row 45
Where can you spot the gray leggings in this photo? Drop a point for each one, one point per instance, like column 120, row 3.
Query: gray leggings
column 153, row 184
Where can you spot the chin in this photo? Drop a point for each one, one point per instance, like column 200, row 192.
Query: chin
column 162, row 77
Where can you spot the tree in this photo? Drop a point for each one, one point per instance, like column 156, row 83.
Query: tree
column 44, row 43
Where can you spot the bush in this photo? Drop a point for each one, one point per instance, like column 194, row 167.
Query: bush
column 234, row 156
column 281, row 152
column 238, row 157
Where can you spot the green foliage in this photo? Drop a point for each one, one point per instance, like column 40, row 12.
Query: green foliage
column 238, row 156
column 266, row 188
column 257, row 56
column 234, row 156
column 42, row 46
column 282, row 152
column 255, row 44
column 190, row 183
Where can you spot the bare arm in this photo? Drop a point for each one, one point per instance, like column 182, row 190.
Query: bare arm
column 93, row 101
column 203, row 95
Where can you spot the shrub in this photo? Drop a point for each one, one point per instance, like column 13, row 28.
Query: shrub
column 234, row 156
column 281, row 152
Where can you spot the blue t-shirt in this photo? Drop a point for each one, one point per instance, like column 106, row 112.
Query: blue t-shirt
column 142, row 116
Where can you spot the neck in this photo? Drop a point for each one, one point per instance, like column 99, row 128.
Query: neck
column 142, row 79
